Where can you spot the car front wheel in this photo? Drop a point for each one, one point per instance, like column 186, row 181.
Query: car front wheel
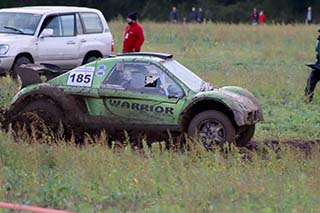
column 212, row 128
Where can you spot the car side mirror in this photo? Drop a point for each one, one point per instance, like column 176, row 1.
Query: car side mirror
column 175, row 96
column 47, row 32
column 175, row 92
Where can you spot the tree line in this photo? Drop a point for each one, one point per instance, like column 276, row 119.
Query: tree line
column 230, row 11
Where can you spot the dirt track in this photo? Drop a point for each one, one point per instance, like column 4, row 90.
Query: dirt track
column 306, row 146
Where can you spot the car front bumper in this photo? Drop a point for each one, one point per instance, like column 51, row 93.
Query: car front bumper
column 6, row 63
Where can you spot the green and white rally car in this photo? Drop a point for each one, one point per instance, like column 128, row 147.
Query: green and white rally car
column 137, row 92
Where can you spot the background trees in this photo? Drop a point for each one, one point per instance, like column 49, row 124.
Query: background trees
column 232, row 11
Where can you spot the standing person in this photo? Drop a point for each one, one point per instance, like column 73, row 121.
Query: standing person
column 262, row 17
column 193, row 15
column 174, row 15
column 254, row 17
column 309, row 15
column 200, row 16
column 133, row 35
column 314, row 76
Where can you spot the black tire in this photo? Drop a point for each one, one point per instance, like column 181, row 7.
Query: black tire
column 89, row 58
column 18, row 61
column 42, row 115
column 212, row 128
column 245, row 135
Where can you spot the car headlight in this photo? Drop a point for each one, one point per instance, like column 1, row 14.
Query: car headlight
column 4, row 49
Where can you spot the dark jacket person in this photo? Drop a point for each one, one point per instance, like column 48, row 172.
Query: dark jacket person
column 134, row 35
column 314, row 76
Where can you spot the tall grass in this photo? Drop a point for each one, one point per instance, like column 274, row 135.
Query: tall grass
column 93, row 178
column 267, row 60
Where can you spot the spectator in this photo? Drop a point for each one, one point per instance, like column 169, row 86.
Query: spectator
column 254, row 17
column 193, row 15
column 133, row 36
column 314, row 76
column 200, row 16
column 262, row 17
column 174, row 17
column 309, row 15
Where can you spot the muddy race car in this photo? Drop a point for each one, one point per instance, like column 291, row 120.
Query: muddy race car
column 149, row 93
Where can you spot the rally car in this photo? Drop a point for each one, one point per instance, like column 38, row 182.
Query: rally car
column 138, row 92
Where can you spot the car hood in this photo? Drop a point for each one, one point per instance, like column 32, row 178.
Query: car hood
column 6, row 38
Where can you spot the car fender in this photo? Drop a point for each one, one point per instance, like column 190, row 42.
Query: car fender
column 220, row 98
column 66, row 102
column 237, row 115
column 246, row 93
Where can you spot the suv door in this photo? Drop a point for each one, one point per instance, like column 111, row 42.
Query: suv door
column 95, row 34
column 62, row 48
column 141, row 93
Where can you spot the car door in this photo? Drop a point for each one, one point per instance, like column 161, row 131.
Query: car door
column 138, row 93
column 95, row 35
column 62, row 48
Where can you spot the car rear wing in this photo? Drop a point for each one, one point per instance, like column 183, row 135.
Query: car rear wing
column 31, row 73
column 314, row 66
column 150, row 54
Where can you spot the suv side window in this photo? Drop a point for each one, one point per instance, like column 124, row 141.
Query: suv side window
column 79, row 25
column 142, row 77
column 53, row 22
column 68, row 25
column 91, row 23
column 63, row 25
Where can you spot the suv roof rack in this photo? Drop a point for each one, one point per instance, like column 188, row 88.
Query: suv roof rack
column 151, row 54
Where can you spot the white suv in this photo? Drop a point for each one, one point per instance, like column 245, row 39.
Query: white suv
column 63, row 36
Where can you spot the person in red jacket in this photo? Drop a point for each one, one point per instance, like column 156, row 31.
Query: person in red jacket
column 261, row 18
column 133, row 35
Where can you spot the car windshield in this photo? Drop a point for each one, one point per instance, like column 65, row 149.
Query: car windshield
column 19, row 23
column 190, row 79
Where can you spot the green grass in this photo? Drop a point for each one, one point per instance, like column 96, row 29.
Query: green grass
column 267, row 60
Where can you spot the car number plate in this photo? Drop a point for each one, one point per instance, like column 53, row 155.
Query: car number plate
column 82, row 76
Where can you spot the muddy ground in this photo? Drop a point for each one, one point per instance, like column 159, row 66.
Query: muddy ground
column 306, row 147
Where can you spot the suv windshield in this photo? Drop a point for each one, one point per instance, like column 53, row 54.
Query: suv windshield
column 19, row 23
column 190, row 79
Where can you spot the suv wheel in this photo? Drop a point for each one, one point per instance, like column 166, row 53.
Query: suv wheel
column 18, row 61
column 89, row 58
column 212, row 128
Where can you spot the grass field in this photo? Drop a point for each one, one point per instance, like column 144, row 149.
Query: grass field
column 267, row 60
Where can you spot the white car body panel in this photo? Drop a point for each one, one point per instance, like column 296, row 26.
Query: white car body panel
column 66, row 52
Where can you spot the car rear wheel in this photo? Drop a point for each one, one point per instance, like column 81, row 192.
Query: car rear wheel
column 18, row 61
column 41, row 115
column 245, row 135
column 212, row 128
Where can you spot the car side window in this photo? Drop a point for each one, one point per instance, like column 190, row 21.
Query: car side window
column 63, row 25
column 157, row 81
column 53, row 23
column 143, row 78
column 68, row 25
column 79, row 25
column 91, row 23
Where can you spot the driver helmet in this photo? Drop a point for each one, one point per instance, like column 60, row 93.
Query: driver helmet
column 151, row 76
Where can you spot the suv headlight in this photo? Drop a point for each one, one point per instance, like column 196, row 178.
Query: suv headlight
column 4, row 49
